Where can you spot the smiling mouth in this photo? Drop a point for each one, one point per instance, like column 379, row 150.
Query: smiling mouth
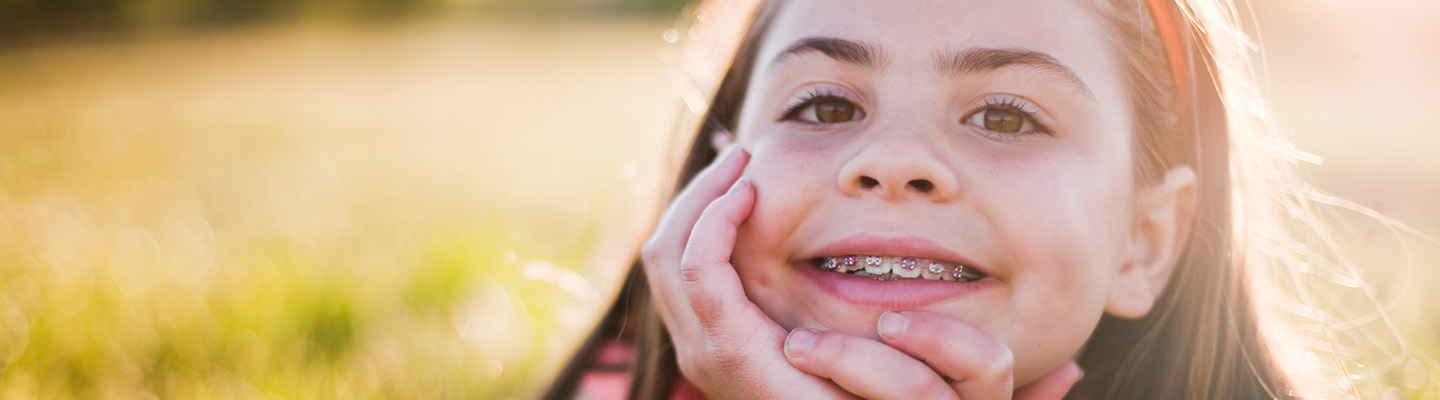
column 889, row 268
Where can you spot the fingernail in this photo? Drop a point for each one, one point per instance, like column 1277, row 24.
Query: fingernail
column 892, row 324
column 1082, row 374
column 742, row 182
column 798, row 342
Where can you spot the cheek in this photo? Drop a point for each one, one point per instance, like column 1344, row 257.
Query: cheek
column 787, row 177
column 1069, row 230
column 790, row 174
column 1060, row 239
column 1066, row 210
column 1062, row 224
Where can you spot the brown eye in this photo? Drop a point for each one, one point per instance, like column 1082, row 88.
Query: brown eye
column 834, row 111
column 825, row 110
column 1007, row 116
column 1004, row 121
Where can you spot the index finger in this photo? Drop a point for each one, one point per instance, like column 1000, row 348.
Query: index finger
column 712, row 182
column 663, row 251
column 981, row 365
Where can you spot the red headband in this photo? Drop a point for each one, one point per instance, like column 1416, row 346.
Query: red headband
column 1169, row 29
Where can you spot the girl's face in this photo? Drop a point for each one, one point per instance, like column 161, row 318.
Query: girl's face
column 989, row 134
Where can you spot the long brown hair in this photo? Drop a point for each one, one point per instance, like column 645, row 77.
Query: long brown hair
column 1201, row 340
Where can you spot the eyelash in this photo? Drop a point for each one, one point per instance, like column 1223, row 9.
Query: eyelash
column 811, row 97
column 1011, row 104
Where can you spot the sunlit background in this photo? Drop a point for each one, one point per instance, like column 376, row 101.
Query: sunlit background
column 373, row 198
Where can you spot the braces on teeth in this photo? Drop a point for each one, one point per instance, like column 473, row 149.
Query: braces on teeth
column 887, row 268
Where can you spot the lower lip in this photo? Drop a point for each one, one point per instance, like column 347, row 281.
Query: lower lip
column 896, row 294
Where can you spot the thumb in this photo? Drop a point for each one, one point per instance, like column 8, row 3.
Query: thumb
column 1053, row 385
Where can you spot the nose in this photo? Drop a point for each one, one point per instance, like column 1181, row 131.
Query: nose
column 899, row 168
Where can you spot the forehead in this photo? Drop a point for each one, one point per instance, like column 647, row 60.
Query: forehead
column 912, row 33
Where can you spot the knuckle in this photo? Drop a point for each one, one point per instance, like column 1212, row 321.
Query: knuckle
column 650, row 251
column 705, row 307
column 690, row 271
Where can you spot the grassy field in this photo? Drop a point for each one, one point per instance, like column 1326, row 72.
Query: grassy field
column 438, row 209
column 299, row 211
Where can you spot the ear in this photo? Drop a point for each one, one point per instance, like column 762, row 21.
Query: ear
column 1160, row 228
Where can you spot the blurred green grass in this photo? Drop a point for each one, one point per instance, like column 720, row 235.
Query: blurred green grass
column 439, row 207
column 302, row 211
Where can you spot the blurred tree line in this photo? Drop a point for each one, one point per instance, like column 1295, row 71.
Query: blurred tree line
column 20, row 18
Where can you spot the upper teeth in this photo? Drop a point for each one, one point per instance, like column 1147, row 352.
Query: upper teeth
column 877, row 265
column 891, row 267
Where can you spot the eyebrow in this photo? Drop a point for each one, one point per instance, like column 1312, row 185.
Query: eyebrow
column 985, row 59
column 847, row 51
column 974, row 60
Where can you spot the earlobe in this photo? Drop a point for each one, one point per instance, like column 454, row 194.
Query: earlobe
column 1158, row 233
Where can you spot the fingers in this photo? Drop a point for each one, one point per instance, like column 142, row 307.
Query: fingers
column 1053, row 385
column 864, row 367
column 723, row 343
column 981, row 365
column 675, row 226
column 710, row 282
column 923, row 356
column 662, row 252
column 741, row 346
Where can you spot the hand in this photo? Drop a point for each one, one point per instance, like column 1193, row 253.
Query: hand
column 724, row 344
column 923, row 355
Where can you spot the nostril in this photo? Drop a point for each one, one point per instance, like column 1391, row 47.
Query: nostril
column 868, row 182
column 924, row 186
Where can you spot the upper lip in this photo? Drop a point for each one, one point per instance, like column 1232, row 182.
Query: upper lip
column 900, row 246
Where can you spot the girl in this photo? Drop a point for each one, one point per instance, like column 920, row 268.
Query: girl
column 960, row 199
